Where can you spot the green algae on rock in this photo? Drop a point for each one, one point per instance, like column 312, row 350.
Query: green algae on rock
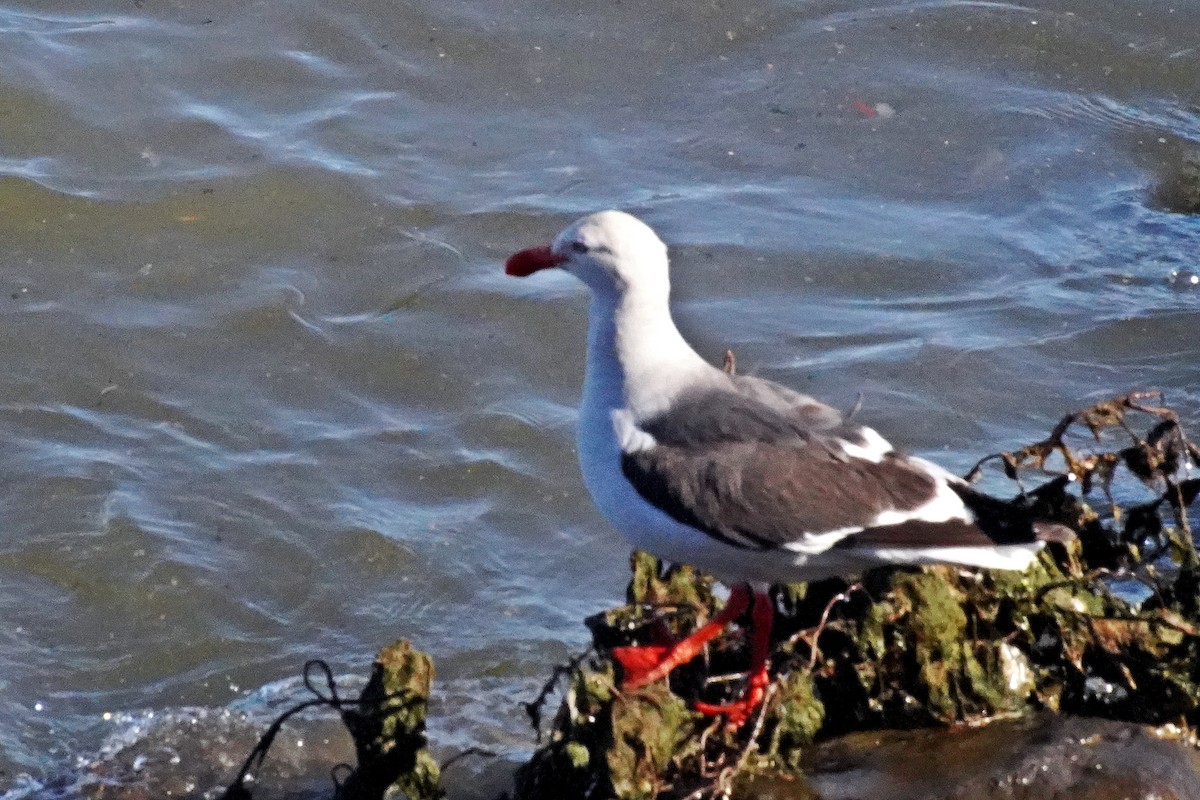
column 388, row 726
column 914, row 647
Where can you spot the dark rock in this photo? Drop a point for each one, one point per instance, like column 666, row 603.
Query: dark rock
column 1042, row 756
column 1178, row 189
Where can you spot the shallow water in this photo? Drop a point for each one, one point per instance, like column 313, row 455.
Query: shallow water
column 269, row 396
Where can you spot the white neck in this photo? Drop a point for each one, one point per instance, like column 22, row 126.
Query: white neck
column 637, row 359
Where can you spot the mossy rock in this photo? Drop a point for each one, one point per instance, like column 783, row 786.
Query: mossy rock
column 653, row 735
column 937, row 646
column 388, row 727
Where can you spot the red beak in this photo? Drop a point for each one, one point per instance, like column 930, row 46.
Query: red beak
column 531, row 260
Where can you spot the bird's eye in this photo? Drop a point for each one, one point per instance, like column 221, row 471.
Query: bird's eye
column 578, row 247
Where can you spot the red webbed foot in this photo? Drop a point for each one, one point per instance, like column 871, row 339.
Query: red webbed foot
column 649, row 663
column 639, row 663
column 739, row 711
column 645, row 671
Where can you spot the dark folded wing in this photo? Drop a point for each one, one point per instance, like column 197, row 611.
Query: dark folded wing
column 744, row 472
column 754, row 476
column 759, row 495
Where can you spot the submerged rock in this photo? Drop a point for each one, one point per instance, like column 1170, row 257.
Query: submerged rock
column 1178, row 189
column 1041, row 756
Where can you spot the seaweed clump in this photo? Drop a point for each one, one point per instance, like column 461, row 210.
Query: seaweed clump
column 1107, row 625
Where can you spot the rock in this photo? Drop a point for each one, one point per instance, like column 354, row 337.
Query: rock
column 1178, row 189
column 1042, row 756
column 388, row 727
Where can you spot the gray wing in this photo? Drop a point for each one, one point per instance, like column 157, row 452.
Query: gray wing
column 808, row 411
column 766, row 496
column 753, row 477
column 742, row 471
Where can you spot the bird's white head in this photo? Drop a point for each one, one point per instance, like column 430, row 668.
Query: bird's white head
column 614, row 253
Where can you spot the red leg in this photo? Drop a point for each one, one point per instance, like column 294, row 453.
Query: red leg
column 645, row 665
column 737, row 712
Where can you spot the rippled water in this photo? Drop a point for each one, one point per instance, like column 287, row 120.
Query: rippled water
column 269, row 397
